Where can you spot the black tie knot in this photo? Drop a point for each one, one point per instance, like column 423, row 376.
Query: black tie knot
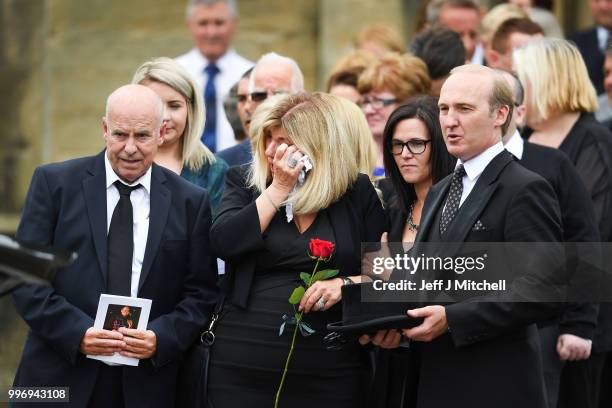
column 125, row 190
column 459, row 172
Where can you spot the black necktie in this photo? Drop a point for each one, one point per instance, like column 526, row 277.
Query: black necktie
column 453, row 199
column 121, row 243
column 209, row 137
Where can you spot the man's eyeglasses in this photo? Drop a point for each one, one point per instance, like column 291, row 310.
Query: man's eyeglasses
column 242, row 97
column 414, row 146
column 261, row 95
column 377, row 103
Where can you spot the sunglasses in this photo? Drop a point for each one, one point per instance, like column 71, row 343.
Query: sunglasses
column 261, row 96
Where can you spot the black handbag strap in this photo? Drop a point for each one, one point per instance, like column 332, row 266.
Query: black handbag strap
column 208, row 337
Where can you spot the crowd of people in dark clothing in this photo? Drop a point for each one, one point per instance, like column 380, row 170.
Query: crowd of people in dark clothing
column 487, row 126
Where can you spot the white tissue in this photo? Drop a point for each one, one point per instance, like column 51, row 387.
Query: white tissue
column 300, row 182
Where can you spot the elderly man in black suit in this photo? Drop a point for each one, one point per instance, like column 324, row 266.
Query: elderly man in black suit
column 139, row 230
column 481, row 354
column 593, row 42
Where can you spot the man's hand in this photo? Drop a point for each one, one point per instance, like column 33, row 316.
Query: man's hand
column 102, row 342
column 140, row 344
column 387, row 339
column 433, row 326
column 573, row 348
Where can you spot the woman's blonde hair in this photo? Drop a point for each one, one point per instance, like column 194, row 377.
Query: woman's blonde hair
column 555, row 72
column 319, row 125
column 166, row 71
column 360, row 135
column 403, row 75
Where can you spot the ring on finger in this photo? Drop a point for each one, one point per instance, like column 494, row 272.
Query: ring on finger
column 321, row 303
column 292, row 162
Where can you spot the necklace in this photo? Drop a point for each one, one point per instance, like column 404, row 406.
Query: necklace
column 410, row 221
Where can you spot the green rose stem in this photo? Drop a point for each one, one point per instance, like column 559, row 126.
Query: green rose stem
column 295, row 329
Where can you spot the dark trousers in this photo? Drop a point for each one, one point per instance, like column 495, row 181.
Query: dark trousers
column 605, row 395
column 551, row 364
column 108, row 391
column 580, row 382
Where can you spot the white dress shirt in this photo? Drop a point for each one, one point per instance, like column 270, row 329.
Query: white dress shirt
column 475, row 166
column 231, row 68
column 516, row 145
column 141, row 206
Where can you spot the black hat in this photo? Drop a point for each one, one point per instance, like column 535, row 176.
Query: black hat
column 369, row 317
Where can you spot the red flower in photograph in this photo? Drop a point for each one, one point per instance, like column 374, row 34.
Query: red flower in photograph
column 320, row 248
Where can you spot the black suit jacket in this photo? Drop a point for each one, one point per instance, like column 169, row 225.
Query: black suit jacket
column 66, row 209
column 588, row 44
column 579, row 223
column 236, row 235
column 491, row 355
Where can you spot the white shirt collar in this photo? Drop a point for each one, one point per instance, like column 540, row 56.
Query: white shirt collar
column 515, row 145
column 200, row 62
column 478, row 56
column 602, row 38
column 111, row 176
column 477, row 164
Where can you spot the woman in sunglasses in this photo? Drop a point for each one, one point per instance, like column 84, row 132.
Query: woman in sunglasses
column 182, row 150
column 415, row 158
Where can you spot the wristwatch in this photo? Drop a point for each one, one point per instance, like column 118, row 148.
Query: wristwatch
column 346, row 281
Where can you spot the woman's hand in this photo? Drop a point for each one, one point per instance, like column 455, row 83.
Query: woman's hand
column 328, row 290
column 284, row 176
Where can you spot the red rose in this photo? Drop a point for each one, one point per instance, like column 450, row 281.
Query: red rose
column 320, row 248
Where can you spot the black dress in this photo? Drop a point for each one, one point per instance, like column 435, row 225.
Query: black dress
column 249, row 355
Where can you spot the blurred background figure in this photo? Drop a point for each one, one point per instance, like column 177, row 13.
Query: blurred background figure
column 442, row 50
column 273, row 74
column 214, row 64
column 240, row 153
column 605, row 103
column 182, row 150
column 511, row 34
column 593, row 42
column 344, row 76
column 385, row 84
column 230, row 106
column 559, row 101
column 494, row 18
column 379, row 39
column 540, row 12
column 463, row 17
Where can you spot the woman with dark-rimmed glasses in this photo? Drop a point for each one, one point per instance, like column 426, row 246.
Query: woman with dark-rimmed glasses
column 415, row 158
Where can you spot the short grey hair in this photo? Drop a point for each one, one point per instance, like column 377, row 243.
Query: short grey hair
column 297, row 78
column 434, row 7
column 231, row 6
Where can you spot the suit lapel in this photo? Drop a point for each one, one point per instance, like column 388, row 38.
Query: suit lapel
column 158, row 215
column 438, row 193
column 94, row 189
column 477, row 199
